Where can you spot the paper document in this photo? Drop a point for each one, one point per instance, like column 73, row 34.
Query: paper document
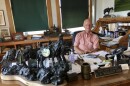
column 109, row 44
column 101, row 53
column 117, row 39
column 76, row 68
column 87, row 58
column 113, row 42
column 92, row 60
column 106, row 38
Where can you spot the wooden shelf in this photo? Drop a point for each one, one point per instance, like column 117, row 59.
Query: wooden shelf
column 25, row 42
column 103, row 21
column 46, row 39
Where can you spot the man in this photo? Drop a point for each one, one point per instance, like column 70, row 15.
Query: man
column 86, row 41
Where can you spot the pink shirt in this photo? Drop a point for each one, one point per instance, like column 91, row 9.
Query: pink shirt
column 86, row 42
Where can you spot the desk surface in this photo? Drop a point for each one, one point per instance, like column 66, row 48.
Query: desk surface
column 122, row 79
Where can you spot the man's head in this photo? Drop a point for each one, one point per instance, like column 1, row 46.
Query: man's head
column 87, row 25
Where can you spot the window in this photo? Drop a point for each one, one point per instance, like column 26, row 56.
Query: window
column 73, row 13
column 29, row 15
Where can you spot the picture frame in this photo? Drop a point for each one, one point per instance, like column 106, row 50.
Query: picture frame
column 18, row 36
column 121, row 5
column 4, row 32
column 2, row 18
column 7, row 38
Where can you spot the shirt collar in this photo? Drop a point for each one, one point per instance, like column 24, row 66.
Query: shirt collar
column 88, row 34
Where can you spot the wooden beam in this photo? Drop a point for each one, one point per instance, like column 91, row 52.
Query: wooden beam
column 90, row 9
column 49, row 13
column 58, row 14
column 10, row 17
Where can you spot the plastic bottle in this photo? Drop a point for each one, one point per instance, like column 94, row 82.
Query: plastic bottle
column 71, row 57
column 115, row 60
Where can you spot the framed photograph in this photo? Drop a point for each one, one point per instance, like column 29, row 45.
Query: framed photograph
column 18, row 36
column 4, row 32
column 122, row 5
column 7, row 38
column 2, row 18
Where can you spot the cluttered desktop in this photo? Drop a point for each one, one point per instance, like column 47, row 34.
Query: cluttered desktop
column 56, row 64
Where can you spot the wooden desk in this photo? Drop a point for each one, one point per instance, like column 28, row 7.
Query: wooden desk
column 45, row 39
column 122, row 79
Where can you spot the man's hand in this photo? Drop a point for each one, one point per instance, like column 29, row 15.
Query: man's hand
column 79, row 51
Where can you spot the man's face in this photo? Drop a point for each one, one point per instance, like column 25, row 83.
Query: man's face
column 87, row 26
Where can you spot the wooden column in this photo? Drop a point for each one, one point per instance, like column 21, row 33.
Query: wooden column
column 58, row 14
column 49, row 12
column 10, row 16
column 90, row 9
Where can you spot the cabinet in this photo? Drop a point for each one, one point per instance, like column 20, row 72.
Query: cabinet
column 103, row 21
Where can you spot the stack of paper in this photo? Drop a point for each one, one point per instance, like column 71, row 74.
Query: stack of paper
column 110, row 43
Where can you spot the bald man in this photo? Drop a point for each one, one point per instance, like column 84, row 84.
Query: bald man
column 86, row 41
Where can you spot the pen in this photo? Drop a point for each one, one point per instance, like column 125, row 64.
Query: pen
column 80, row 56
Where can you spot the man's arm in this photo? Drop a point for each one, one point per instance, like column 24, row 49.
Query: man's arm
column 96, row 44
column 77, row 50
column 96, row 49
